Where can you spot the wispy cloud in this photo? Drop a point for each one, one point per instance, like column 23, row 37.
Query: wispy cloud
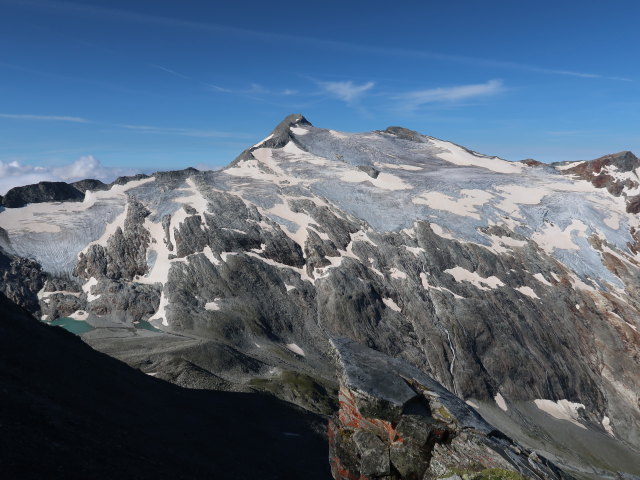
column 49, row 118
column 255, row 89
column 413, row 100
column 129, row 16
column 169, row 71
column 185, row 132
column 346, row 91
column 14, row 174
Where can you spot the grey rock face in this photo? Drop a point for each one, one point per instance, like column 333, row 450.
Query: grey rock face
column 20, row 280
column 125, row 255
column 61, row 297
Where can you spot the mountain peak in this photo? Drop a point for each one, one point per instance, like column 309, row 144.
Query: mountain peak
column 291, row 121
column 279, row 137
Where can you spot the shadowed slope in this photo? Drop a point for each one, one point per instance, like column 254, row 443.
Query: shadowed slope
column 67, row 411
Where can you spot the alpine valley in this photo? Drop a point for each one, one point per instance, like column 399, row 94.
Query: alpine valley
column 419, row 311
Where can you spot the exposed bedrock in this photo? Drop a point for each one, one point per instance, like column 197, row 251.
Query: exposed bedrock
column 20, row 278
column 397, row 423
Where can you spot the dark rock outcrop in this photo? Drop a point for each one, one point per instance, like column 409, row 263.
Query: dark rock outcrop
column 372, row 172
column 42, row 192
column 128, row 178
column 395, row 422
column 404, row 133
column 90, row 184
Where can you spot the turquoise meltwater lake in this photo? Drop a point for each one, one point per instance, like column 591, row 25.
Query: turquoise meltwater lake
column 144, row 325
column 78, row 326
column 71, row 325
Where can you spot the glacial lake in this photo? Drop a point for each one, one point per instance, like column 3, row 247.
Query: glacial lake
column 71, row 325
column 144, row 325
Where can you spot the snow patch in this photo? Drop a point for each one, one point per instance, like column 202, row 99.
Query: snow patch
column 606, row 424
column 541, row 279
column 212, row 306
column 464, row 206
column 528, row 291
column 86, row 288
column 299, row 131
column 210, row 256
column 613, row 221
column 79, row 315
column 459, row 156
column 161, row 312
column 463, row 275
column 438, row 230
column 553, row 237
column 295, row 349
column 415, row 250
column 562, row 410
column 391, row 304
column 427, row 286
column 515, row 195
column 395, row 273
column 499, row 399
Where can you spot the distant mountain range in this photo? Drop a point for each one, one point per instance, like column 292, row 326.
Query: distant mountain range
column 513, row 284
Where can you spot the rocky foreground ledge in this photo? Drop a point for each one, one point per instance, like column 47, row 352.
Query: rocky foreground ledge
column 395, row 422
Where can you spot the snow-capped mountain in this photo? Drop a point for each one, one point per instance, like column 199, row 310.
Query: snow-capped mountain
column 514, row 284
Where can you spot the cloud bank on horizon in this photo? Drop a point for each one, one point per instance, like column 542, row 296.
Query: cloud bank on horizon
column 15, row 174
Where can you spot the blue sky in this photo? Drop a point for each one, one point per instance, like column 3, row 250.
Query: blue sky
column 158, row 84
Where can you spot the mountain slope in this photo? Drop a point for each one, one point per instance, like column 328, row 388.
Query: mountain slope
column 513, row 284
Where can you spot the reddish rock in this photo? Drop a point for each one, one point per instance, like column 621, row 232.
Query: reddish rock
column 397, row 423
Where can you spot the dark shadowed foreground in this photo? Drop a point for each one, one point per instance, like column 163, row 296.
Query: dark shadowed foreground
column 67, row 411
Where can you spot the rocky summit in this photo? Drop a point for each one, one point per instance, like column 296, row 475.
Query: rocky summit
column 500, row 298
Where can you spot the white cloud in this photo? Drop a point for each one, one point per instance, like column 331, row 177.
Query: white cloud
column 50, row 118
column 415, row 99
column 346, row 91
column 14, row 174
